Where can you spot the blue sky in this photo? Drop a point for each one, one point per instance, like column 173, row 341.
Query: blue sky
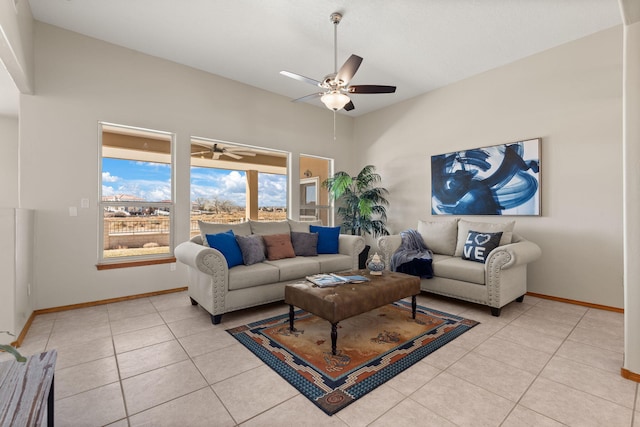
column 151, row 181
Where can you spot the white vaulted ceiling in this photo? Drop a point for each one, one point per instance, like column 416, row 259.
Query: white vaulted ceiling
column 417, row 45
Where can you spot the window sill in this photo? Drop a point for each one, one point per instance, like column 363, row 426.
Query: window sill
column 126, row 264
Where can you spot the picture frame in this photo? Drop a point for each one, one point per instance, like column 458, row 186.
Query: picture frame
column 496, row 180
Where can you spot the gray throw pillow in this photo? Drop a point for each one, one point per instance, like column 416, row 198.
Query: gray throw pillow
column 252, row 248
column 304, row 244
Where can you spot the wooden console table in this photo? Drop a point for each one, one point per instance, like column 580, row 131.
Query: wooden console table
column 26, row 389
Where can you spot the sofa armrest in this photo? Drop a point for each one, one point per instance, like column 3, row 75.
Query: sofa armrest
column 205, row 259
column 506, row 271
column 352, row 246
column 513, row 254
column 388, row 245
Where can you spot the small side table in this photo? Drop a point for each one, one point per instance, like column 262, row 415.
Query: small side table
column 26, row 389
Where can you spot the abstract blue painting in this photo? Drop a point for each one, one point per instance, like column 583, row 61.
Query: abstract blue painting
column 497, row 180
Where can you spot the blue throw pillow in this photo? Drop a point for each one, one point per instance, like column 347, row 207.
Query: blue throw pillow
column 227, row 244
column 327, row 238
column 478, row 245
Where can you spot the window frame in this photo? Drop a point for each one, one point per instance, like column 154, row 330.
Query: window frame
column 330, row 207
column 103, row 262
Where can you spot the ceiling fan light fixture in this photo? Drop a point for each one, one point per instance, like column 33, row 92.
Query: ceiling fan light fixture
column 335, row 100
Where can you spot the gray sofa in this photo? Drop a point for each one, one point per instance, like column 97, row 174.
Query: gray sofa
column 220, row 289
column 501, row 279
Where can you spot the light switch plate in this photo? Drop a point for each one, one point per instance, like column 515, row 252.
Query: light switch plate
column 84, row 203
column 73, row 211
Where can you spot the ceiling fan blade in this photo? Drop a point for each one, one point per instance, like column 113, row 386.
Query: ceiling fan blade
column 232, row 155
column 308, row 97
column 349, row 106
column 199, row 153
column 244, row 153
column 301, row 78
column 371, row 89
column 215, row 156
column 348, row 69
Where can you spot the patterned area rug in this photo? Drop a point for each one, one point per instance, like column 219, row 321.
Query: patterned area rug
column 372, row 348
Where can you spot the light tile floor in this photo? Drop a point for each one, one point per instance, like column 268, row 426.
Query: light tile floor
column 159, row 361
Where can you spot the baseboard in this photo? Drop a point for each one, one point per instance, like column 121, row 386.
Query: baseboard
column 25, row 329
column 18, row 342
column 571, row 301
column 630, row 375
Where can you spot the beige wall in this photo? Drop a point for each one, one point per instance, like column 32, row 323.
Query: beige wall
column 8, row 162
column 571, row 97
column 80, row 81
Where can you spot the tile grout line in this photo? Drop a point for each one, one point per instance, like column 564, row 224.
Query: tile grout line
column 115, row 355
column 543, row 368
column 209, row 386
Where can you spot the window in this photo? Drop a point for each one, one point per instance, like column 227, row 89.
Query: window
column 231, row 183
column 136, row 194
column 314, row 198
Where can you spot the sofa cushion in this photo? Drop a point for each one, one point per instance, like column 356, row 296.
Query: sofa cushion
column 327, row 238
column 227, row 244
column 459, row 269
column 278, row 246
column 478, row 245
column 241, row 229
column 296, row 268
column 302, row 226
column 270, row 227
column 304, row 244
column 483, row 227
column 440, row 236
column 252, row 248
column 248, row 276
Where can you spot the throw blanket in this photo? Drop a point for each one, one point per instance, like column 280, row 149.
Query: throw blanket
column 413, row 257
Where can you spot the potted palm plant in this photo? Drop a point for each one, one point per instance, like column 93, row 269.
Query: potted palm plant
column 361, row 203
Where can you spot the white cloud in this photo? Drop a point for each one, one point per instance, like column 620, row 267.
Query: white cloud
column 107, row 191
column 272, row 190
column 107, row 177
column 235, row 182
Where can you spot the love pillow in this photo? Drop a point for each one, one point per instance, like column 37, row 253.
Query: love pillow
column 478, row 245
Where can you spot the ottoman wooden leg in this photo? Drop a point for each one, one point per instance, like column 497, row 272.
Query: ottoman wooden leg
column 414, row 306
column 291, row 315
column 334, row 337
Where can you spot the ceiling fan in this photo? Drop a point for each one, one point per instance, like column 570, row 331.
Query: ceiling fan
column 336, row 86
column 216, row 151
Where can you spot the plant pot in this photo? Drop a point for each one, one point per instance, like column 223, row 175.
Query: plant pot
column 362, row 258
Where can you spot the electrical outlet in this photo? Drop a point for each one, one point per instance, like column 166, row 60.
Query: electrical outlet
column 73, row 211
column 172, row 266
column 84, row 203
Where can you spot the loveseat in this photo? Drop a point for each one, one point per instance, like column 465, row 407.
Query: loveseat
column 272, row 254
column 490, row 276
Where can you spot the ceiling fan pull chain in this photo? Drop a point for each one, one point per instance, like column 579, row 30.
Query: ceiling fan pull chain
column 334, row 125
